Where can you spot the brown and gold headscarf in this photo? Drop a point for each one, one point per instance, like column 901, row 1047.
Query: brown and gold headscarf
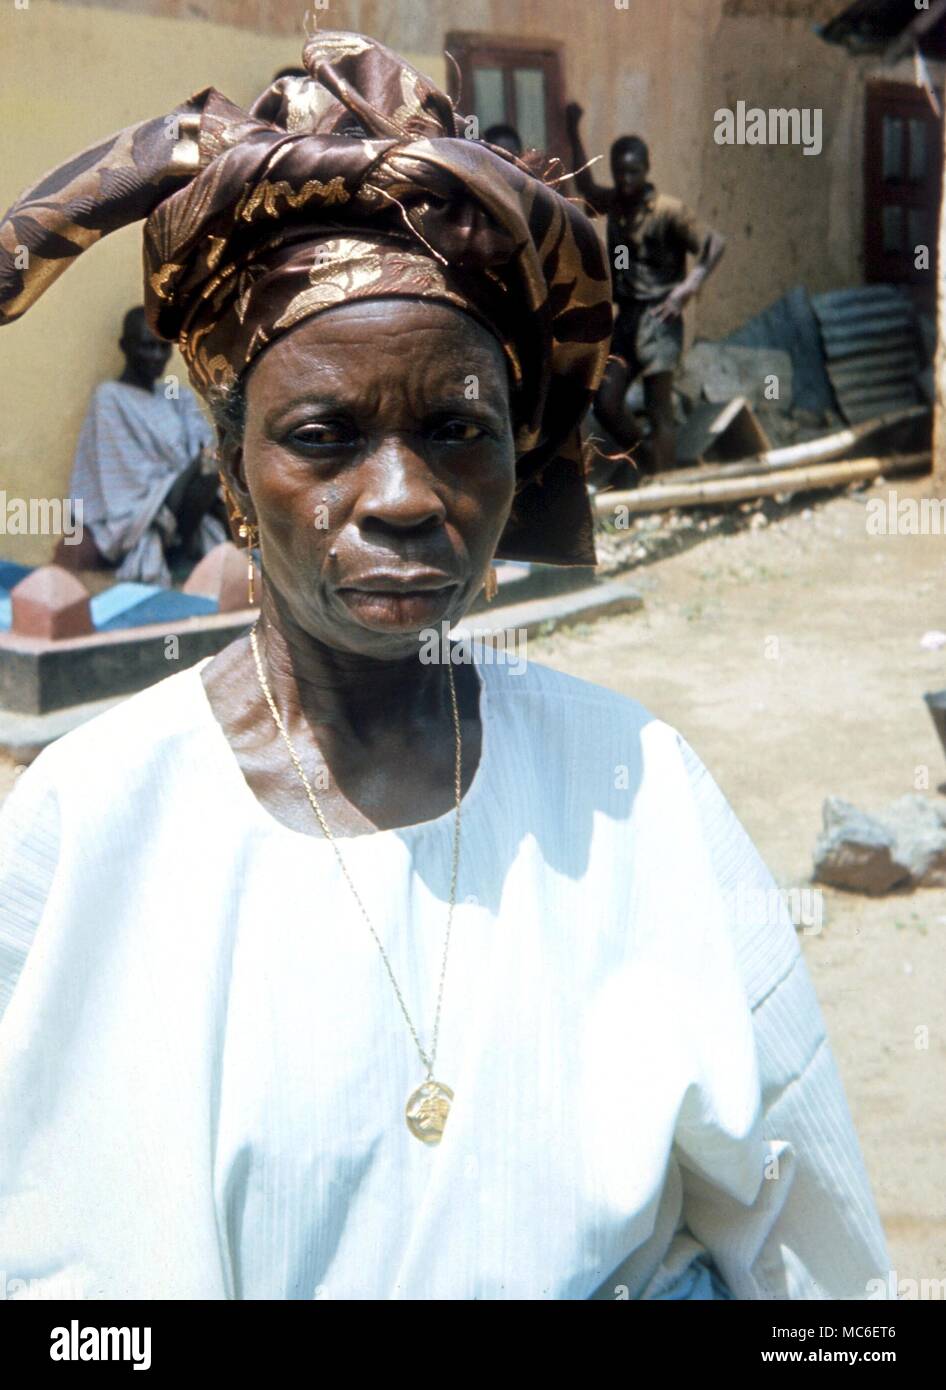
column 353, row 182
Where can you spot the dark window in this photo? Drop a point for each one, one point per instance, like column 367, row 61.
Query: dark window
column 918, row 146
column 507, row 82
column 902, row 179
column 893, row 149
column 892, row 221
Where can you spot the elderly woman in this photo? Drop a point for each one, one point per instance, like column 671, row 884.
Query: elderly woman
column 331, row 970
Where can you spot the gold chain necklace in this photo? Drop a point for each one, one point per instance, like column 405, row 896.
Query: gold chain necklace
column 428, row 1105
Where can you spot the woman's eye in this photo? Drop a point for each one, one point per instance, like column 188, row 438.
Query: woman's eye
column 458, row 432
column 327, row 434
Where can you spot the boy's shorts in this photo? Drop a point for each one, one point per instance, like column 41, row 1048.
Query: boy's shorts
column 647, row 345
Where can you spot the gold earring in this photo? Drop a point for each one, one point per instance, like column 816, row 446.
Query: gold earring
column 491, row 585
column 250, row 533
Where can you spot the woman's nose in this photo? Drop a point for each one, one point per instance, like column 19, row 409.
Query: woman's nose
column 396, row 488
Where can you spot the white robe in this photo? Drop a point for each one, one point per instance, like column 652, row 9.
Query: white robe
column 132, row 446
column 203, row 1065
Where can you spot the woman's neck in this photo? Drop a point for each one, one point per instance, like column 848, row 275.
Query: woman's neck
column 349, row 693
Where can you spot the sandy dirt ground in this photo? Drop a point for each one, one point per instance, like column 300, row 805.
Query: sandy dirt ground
column 790, row 658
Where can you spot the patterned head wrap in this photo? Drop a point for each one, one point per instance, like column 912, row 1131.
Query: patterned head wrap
column 353, row 182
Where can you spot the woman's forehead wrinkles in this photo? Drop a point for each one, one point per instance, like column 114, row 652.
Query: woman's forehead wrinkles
column 385, row 327
column 414, row 391
column 431, row 363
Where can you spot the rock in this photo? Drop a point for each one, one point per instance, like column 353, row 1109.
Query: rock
column 778, row 425
column 719, row 371
column 856, row 851
column 903, row 846
column 919, row 828
column 817, row 420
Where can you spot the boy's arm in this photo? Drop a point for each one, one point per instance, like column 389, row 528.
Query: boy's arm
column 597, row 198
column 709, row 252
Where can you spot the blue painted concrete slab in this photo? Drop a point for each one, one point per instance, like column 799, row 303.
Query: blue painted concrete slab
column 110, row 603
column 11, row 574
column 121, row 605
column 167, row 606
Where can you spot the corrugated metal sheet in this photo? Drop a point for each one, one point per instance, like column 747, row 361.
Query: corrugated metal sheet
column 872, row 348
column 790, row 325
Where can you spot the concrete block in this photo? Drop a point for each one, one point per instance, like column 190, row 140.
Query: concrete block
column 50, row 603
column 222, row 575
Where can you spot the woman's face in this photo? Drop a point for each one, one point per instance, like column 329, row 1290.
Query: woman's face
column 379, row 464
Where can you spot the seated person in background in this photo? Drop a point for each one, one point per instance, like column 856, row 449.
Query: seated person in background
column 143, row 466
column 649, row 235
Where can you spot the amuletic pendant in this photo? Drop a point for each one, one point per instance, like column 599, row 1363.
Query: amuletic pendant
column 427, row 1110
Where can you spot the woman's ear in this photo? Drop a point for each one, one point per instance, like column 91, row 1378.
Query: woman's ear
column 233, row 480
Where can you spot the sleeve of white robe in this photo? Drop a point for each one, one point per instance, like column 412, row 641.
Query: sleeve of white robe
column 810, row 1230
column 29, row 852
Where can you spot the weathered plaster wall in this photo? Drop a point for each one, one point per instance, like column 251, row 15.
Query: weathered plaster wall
column 788, row 217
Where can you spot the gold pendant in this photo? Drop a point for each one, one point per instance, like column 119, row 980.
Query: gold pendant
column 427, row 1111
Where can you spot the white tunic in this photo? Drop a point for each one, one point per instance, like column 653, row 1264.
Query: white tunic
column 204, row 1068
column 132, row 446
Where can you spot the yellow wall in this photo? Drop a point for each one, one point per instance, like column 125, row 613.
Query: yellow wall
column 789, row 218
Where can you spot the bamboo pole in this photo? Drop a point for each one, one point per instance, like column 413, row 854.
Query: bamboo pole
column 824, row 449
column 824, row 475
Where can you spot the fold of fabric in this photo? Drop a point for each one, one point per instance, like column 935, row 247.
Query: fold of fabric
column 699, row 1282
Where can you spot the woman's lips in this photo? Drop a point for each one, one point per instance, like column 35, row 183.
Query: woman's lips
column 399, row 580
column 397, row 607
